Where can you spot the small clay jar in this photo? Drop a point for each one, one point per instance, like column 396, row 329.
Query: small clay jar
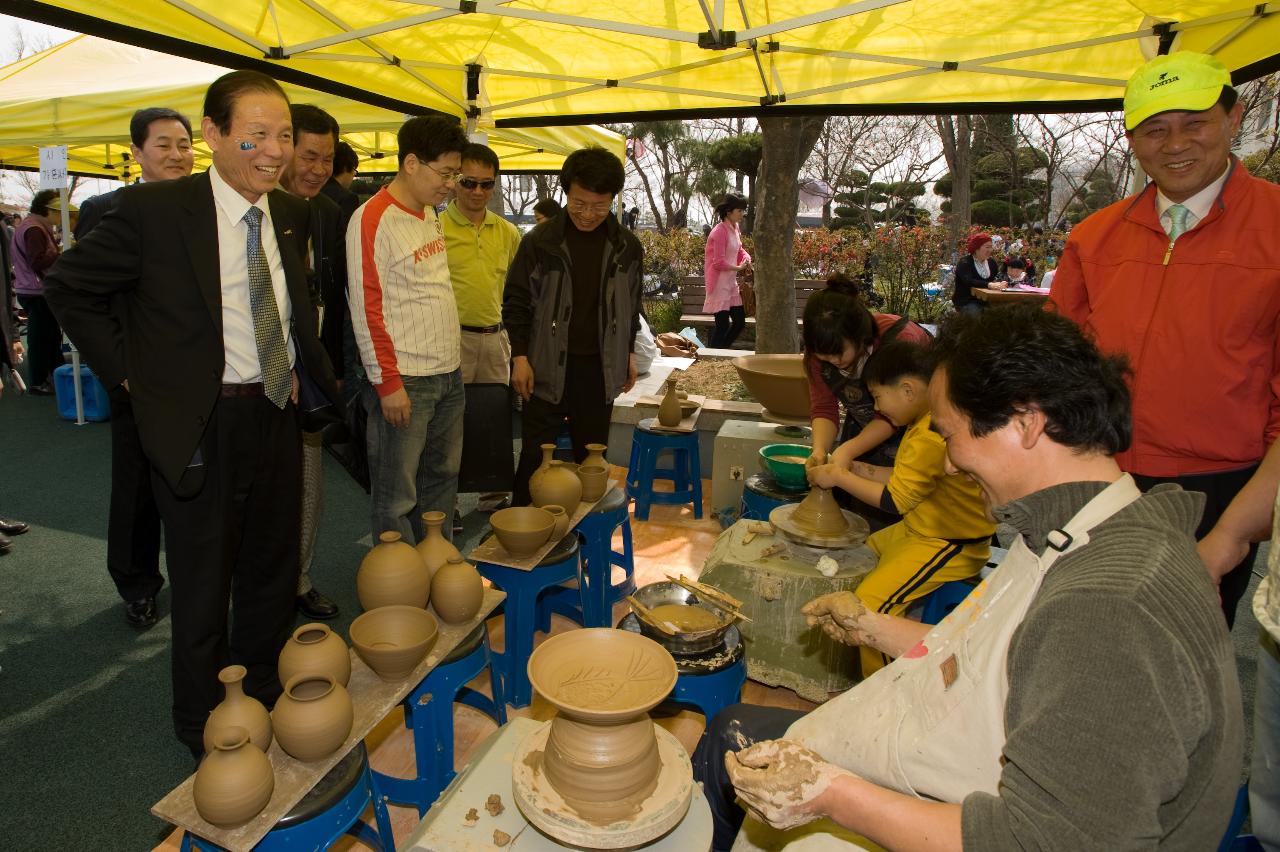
column 457, row 591
column 559, row 486
column 535, row 479
column 315, row 649
column 435, row 549
column 594, row 482
column 313, row 716
column 234, row 781
column 561, row 529
column 669, row 411
column 819, row 513
column 237, row 710
column 595, row 456
column 392, row 572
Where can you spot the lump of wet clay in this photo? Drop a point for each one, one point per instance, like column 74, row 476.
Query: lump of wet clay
column 500, row 837
column 493, row 804
column 472, row 817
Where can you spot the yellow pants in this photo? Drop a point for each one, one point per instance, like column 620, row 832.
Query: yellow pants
column 910, row 567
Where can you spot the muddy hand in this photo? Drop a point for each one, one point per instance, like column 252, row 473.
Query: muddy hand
column 841, row 616
column 824, row 475
column 780, row 781
column 814, row 459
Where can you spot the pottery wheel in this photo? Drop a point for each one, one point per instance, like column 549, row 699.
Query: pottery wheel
column 543, row 807
column 856, row 533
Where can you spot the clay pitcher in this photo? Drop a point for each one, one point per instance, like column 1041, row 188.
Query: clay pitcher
column 435, row 549
column 669, row 411
column 237, row 710
column 313, row 716
column 819, row 513
column 535, row 479
column 392, row 572
column 234, row 781
column 315, row 649
column 559, row 486
column 595, row 456
column 457, row 591
column 561, row 529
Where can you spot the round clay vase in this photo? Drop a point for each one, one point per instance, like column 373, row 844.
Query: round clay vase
column 392, row 640
column 669, row 410
column 313, row 716
column 559, row 486
column 594, row 481
column 392, row 572
column 315, row 649
column 819, row 513
column 237, row 710
column 601, row 754
column 234, row 781
column 457, row 591
column 561, row 529
column 522, row 529
column 535, row 479
column 595, row 456
column 435, row 549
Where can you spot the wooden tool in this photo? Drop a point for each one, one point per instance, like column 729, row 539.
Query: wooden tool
column 647, row 614
column 727, row 602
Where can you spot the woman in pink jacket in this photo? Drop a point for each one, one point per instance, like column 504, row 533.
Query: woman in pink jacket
column 724, row 260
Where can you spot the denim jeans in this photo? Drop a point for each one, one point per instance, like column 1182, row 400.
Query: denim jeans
column 414, row 469
column 1264, row 776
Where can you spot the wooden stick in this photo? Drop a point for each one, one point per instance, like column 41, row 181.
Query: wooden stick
column 647, row 614
column 725, row 601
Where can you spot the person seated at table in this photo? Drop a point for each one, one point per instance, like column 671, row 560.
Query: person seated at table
column 976, row 269
column 1017, row 272
column 944, row 534
column 839, row 334
column 1084, row 696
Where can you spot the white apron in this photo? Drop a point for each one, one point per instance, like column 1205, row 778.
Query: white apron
column 931, row 723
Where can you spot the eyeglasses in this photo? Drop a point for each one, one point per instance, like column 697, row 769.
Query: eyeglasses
column 580, row 207
column 450, row 176
column 473, row 183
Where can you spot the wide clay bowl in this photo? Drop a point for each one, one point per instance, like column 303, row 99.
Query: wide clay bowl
column 602, row 675
column 522, row 529
column 785, row 463
column 777, row 382
column 392, row 640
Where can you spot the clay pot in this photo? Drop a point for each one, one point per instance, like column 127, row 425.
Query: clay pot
column 392, row 572
column 778, row 382
column 559, row 486
column 669, row 410
column 594, row 482
column 601, row 753
column 457, row 591
column 315, row 649
column 313, row 716
column 561, row 529
column 237, row 710
column 595, row 456
column 234, row 781
column 435, row 549
column 535, row 479
column 523, row 529
column 392, row 640
column 819, row 513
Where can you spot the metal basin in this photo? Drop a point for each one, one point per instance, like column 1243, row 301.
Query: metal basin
column 667, row 592
column 778, row 382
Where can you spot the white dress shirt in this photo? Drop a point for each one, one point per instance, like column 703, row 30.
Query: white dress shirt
column 238, row 341
column 1198, row 205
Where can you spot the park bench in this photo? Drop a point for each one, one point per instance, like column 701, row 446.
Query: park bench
column 693, row 293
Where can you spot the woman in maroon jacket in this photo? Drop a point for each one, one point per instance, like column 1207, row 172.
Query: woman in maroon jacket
column 34, row 250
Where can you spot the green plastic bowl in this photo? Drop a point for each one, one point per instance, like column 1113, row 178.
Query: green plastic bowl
column 788, row 474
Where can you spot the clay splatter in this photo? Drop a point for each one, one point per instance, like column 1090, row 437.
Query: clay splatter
column 493, row 804
column 472, row 817
column 500, row 837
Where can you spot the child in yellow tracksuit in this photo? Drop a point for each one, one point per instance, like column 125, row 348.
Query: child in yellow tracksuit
column 944, row 533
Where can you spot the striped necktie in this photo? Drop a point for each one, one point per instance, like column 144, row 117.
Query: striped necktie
column 1177, row 221
column 267, row 332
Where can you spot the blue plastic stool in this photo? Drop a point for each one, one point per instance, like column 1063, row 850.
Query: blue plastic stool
column 685, row 473
column 520, row 612
column 760, row 496
column 1233, row 840
column 330, row 810
column 595, row 593
column 428, row 712
column 713, row 691
column 939, row 603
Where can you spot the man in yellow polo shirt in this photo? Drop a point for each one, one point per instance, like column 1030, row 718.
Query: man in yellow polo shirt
column 480, row 245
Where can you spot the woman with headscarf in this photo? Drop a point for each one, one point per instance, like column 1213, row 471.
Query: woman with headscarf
column 725, row 258
column 976, row 269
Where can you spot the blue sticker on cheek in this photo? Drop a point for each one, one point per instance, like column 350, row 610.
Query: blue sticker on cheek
column 247, row 146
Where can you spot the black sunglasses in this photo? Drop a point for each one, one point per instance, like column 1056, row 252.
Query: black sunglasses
column 472, row 183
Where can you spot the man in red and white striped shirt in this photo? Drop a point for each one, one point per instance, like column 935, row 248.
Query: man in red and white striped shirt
column 406, row 328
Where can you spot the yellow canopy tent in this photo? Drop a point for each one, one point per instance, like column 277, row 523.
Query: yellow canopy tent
column 82, row 92
column 536, row 62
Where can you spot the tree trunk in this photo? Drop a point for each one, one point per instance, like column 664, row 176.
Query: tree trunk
column 787, row 142
column 956, row 135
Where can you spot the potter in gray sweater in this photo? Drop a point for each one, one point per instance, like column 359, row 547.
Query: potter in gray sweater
column 1121, row 678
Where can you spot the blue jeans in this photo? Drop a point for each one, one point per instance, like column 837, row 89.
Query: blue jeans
column 1264, row 775
column 414, row 469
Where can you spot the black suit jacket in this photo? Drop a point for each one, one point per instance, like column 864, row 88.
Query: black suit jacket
column 329, row 274
column 158, row 248
column 92, row 210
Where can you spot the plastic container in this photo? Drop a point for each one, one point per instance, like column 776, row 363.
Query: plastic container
column 97, row 406
column 776, row 460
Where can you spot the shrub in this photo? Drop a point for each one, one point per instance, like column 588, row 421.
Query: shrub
column 663, row 314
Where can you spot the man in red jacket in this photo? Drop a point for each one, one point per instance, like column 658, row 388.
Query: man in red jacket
column 1184, row 278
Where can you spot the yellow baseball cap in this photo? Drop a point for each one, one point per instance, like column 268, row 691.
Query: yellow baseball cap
column 1179, row 81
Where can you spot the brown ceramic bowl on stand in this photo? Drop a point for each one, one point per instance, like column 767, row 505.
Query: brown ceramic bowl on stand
column 522, row 529
column 778, row 382
column 392, row 640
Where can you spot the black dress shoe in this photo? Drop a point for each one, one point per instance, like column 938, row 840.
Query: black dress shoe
column 11, row 527
column 141, row 613
column 5, row 544
column 315, row 605
column 44, row 389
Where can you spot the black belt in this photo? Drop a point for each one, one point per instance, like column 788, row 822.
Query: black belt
column 249, row 389
column 485, row 329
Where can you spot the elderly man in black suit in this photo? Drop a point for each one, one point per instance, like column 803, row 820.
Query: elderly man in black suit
column 221, row 359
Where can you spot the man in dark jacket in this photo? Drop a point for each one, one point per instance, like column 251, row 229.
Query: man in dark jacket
column 571, row 306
